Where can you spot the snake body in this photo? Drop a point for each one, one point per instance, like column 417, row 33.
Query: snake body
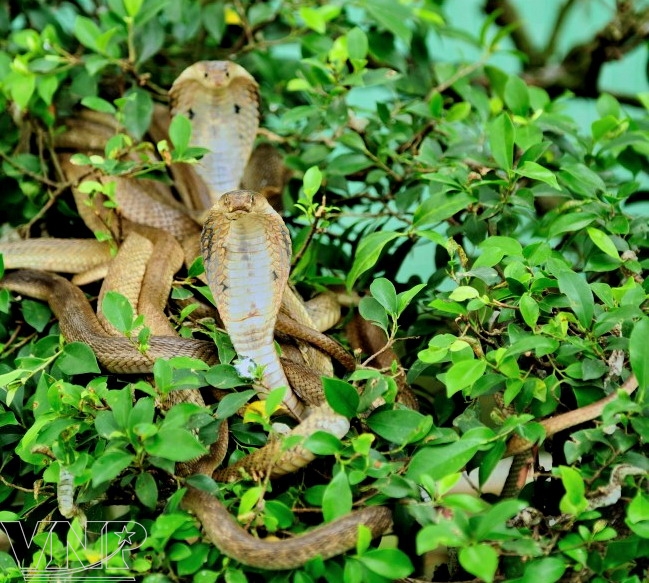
column 115, row 353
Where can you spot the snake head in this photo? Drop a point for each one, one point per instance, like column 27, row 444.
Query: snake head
column 239, row 201
column 211, row 74
column 203, row 78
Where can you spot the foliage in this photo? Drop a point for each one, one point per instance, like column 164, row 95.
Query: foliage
column 499, row 242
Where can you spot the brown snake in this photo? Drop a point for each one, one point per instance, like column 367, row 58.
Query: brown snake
column 247, row 251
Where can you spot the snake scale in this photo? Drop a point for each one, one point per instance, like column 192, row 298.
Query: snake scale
column 247, row 250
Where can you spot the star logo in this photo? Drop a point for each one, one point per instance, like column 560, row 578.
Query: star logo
column 124, row 536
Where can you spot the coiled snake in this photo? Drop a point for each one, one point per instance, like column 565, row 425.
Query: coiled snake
column 246, row 249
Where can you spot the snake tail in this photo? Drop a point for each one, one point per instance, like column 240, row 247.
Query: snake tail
column 324, row 541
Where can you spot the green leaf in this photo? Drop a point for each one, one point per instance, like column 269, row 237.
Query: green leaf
column 458, row 111
column 368, row 252
column 341, row 396
column 480, row 560
column 98, row 104
column 46, row 87
column 433, row 536
column 312, row 181
column 570, row 223
column 574, row 500
column 142, row 413
column 337, row 497
column 77, row 358
column 87, row 32
column 637, row 515
column 133, row 6
column 323, row 443
column 36, row 314
column 274, row 399
column 231, row 403
column 176, row 444
column 313, row 19
column 463, row 374
column 529, row 309
column 298, row 85
column 604, row 127
column 581, row 179
column 491, row 522
column 121, row 404
column 441, row 206
column 346, row 164
column 404, row 298
column 517, row 96
column 214, row 20
column 138, row 110
column 393, row 16
column 146, row 490
column 357, row 44
column 504, row 245
column 390, row 563
column 364, row 539
column 501, row 141
column 579, row 294
column 353, row 140
column 639, row 352
column 537, row 172
column 224, row 376
column 109, row 466
column 249, row 500
column 463, row 292
column 442, row 460
column 9, row 377
column 372, row 311
column 118, row 311
column 22, row 88
column 546, row 569
column 163, row 375
column 383, row 291
column 400, row 426
column 603, row 241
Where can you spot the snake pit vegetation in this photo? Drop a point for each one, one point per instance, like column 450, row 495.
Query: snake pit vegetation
column 246, row 249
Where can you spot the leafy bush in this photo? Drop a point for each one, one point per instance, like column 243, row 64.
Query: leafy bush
column 500, row 243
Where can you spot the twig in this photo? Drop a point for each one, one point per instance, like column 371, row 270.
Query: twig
column 509, row 16
column 559, row 22
column 53, row 196
column 8, row 351
column 389, row 343
column 16, row 487
column 461, row 72
column 43, row 179
column 312, row 231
